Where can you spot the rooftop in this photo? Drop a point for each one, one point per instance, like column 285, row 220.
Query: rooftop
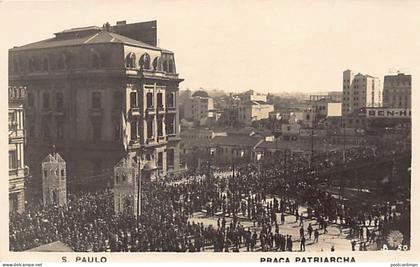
column 235, row 140
column 85, row 35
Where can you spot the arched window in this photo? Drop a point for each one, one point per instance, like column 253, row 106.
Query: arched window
column 171, row 68
column 165, row 65
column 130, row 61
column 145, row 62
column 155, row 63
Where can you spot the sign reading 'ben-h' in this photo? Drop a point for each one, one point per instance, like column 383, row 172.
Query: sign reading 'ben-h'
column 388, row 113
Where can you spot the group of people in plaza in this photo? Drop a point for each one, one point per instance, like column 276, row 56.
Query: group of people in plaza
column 250, row 207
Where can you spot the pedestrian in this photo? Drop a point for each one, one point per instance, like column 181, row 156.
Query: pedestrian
column 310, row 229
column 302, row 243
column 316, row 235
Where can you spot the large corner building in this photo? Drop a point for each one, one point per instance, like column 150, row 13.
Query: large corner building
column 99, row 94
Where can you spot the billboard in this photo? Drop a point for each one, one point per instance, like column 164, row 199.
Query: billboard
column 388, row 113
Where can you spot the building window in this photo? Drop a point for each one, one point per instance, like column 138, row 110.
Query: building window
column 171, row 68
column 155, row 63
column 149, row 129
column 95, row 60
column 133, row 99
column 149, row 100
column 46, row 100
column 133, row 130
column 96, row 131
column 96, row 100
column 118, row 100
column 59, row 100
column 170, row 100
column 160, row 160
column 130, row 61
column 145, row 62
column 160, row 127
column 170, row 158
column 45, row 64
column 13, row 164
column 170, row 126
column 45, row 129
column 31, row 129
column 117, row 132
column 30, row 100
column 165, row 65
column 12, row 121
column 159, row 100
column 60, row 62
column 60, row 130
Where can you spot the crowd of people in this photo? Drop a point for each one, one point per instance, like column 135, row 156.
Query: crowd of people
column 167, row 222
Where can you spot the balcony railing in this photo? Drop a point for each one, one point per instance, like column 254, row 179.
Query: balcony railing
column 135, row 111
column 170, row 109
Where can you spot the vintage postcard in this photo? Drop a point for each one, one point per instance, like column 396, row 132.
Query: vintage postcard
column 257, row 131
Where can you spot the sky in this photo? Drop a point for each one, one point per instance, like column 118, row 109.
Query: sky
column 268, row 46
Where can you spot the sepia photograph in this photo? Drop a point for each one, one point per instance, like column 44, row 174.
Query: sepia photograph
column 199, row 126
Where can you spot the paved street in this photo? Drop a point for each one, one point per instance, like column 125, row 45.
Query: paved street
column 290, row 227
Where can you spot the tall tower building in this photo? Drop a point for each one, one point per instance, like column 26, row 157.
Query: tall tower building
column 54, row 180
column 397, row 91
column 99, row 94
column 360, row 91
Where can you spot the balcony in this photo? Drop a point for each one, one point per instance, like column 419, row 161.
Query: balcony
column 150, row 110
column 135, row 112
column 170, row 109
column 16, row 134
column 96, row 112
column 161, row 138
column 150, row 140
column 59, row 111
column 19, row 172
column 161, row 109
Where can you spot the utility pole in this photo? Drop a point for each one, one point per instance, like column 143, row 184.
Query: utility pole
column 138, row 191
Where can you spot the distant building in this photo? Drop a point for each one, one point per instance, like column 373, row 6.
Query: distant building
column 17, row 169
column 360, row 91
column 234, row 148
column 251, row 95
column 253, row 111
column 397, row 91
column 200, row 108
column 326, row 105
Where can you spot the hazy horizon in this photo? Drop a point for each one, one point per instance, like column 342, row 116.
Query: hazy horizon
column 267, row 46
